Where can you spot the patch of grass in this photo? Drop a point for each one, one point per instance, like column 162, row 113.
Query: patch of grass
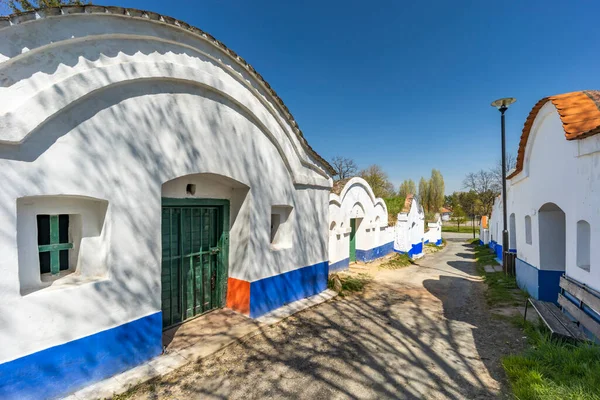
column 397, row 261
column 349, row 283
column 485, row 256
column 463, row 229
column 552, row 369
column 502, row 289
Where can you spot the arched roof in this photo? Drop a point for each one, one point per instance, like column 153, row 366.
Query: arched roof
column 349, row 183
column 19, row 18
column 578, row 111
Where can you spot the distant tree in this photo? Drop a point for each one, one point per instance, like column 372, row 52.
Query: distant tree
column 470, row 204
column 485, row 185
column 424, row 193
column 407, row 187
column 28, row 5
column 436, row 191
column 378, row 179
column 448, row 201
column 344, row 167
column 458, row 216
column 511, row 163
column 394, row 205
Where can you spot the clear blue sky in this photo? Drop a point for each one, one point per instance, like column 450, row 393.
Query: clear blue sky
column 406, row 85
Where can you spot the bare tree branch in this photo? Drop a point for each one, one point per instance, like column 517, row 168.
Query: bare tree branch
column 344, row 167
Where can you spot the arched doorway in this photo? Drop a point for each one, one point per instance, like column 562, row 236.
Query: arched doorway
column 512, row 233
column 356, row 216
column 198, row 213
column 552, row 237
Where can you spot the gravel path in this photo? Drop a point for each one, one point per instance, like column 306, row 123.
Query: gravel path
column 419, row 332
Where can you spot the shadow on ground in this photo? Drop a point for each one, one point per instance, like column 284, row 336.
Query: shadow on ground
column 419, row 332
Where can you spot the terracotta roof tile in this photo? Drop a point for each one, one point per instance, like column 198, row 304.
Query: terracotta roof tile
column 407, row 203
column 338, row 186
column 579, row 113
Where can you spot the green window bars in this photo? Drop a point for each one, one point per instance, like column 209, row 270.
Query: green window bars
column 53, row 243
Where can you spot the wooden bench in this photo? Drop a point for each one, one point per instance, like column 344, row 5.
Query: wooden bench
column 555, row 319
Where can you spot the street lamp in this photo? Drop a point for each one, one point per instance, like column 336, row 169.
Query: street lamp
column 502, row 106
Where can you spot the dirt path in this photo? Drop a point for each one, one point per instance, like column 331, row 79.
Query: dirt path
column 420, row 332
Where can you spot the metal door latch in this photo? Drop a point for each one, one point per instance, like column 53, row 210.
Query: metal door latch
column 214, row 250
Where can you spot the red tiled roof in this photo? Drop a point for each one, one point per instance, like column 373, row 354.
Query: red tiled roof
column 338, row 186
column 578, row 111
column 407, row 203
column 444, row 210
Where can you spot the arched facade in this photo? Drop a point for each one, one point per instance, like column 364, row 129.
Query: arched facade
column 136, row 153
column 410, row 229
column 434, row 231
column 360, row 222
column 552, row 189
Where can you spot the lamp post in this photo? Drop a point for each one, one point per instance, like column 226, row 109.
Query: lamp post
column 502, row 106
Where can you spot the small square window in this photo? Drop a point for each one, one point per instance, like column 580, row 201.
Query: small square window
column 281, row 229
column 275, row 223
column 53, row 243
column 528, row 235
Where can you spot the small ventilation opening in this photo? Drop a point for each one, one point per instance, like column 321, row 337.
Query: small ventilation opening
column 190, row 189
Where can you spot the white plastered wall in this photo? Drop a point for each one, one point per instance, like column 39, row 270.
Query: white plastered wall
column 566, row 173
column 410, row 227
column 496, row 223
column 357, row 201
column 435, row 230
column 111, row 108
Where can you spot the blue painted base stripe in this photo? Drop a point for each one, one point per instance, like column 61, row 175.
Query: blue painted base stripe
column 540, row 284
column 439, row 242
column 65, row 368
column 339, row 265
column 416, row 249
column 375, row 253
column 271, row 293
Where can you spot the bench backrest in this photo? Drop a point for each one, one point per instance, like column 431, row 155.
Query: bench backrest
column 586, row 297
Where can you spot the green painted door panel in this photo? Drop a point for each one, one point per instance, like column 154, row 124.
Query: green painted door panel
column 194, row 270
column 353, row 240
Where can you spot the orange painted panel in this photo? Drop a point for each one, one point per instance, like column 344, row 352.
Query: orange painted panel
column 238, row 295
column 484, row 222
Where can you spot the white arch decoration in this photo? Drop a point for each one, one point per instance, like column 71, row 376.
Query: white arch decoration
column 373, row 236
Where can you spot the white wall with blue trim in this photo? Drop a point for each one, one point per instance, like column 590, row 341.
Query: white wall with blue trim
column 374, row 237
column 99, row 109
column 552, row 198
column 434, row 231
column 410, row 229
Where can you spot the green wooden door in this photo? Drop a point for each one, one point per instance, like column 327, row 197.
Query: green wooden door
column 353, row 240
column 194, row 270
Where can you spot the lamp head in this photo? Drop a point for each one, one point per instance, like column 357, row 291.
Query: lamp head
column 503, row 103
